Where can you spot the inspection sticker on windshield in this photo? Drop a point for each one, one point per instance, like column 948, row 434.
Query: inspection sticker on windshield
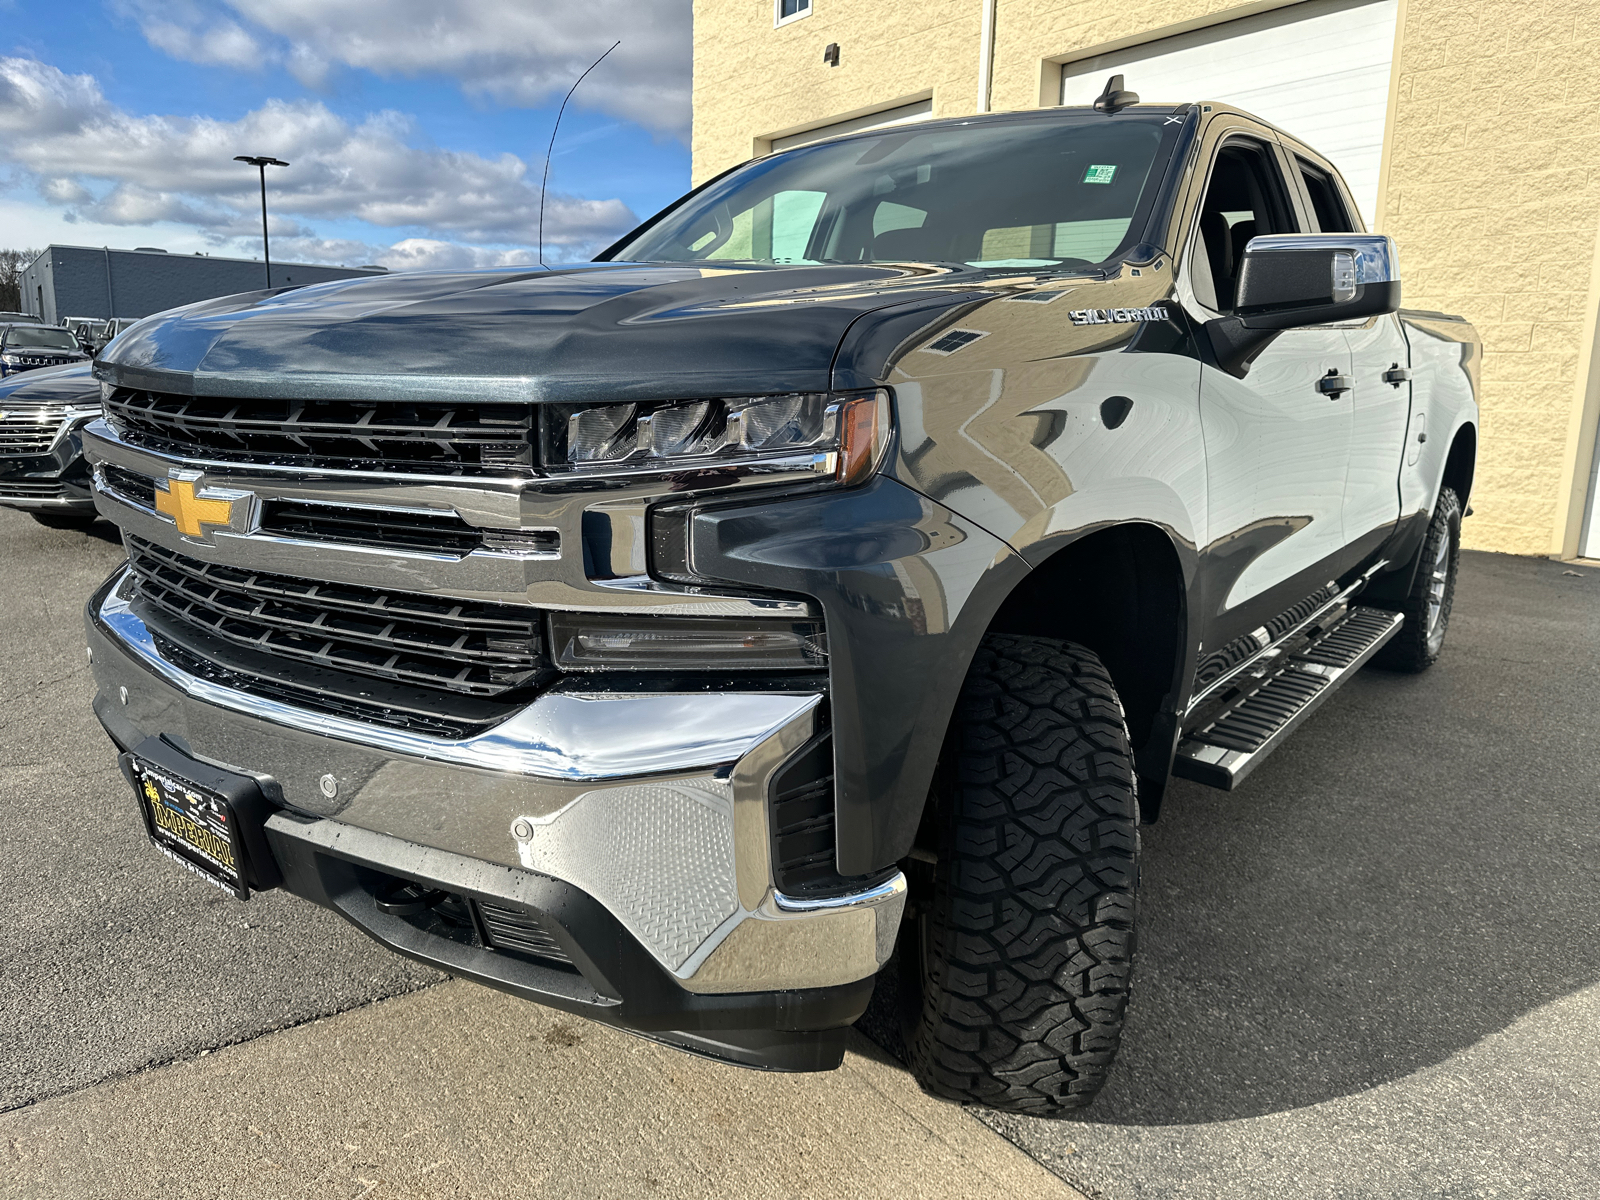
column 1099, row 174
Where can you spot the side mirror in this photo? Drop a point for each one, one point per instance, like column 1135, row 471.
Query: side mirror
column 1291, row 280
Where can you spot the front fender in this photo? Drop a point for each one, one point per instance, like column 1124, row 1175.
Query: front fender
column 907, row 589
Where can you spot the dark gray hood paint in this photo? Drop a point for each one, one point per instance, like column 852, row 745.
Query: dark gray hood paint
column 602, row 330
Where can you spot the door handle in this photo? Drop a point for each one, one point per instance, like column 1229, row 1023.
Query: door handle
column 1396, row 374
column 1333, row 385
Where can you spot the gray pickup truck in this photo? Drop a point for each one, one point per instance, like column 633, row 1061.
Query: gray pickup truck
column 825, row 581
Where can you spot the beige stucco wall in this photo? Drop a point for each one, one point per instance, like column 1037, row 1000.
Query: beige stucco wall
column 1492, row 174
column 753, row 81
column 1494, row 200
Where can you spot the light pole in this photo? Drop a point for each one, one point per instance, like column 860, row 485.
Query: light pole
column 263, row 162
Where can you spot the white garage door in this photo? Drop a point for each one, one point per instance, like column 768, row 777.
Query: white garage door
column 1318, row 70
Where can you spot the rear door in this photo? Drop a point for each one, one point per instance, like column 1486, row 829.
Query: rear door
column 1380, row 404
column 1277, row 448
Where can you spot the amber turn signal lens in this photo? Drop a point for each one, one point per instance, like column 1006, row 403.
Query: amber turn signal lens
column 864, row 425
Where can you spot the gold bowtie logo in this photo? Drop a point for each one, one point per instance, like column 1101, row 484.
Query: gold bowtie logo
column 190, row 511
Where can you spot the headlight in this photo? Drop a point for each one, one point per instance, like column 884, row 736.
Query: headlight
column 842, row 437
column 585, row 642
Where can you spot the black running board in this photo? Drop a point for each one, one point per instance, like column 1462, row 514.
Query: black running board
column 1253, row 720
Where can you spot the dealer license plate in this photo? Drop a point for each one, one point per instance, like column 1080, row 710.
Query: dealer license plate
column 193, row 826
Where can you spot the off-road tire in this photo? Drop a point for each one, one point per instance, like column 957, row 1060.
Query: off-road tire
column 1017, row 960
column 1416, row 647
column 66, row 520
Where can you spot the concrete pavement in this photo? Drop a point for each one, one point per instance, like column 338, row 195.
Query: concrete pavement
column 115, row 960
column 457, row 1091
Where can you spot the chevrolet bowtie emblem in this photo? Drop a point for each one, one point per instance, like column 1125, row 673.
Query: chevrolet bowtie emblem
column 195, row 509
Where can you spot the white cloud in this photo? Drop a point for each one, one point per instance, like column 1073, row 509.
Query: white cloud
column 185, row 31
column 409, row 254
column 513, row 52
column 117, row 169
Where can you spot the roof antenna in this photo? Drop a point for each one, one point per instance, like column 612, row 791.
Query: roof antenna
column 546, row 182
column 1114, row 98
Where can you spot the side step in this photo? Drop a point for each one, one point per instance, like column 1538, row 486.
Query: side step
column 1253, row 718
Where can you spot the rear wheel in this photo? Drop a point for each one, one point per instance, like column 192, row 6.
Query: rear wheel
column 1018, row 955
column 1433, row 592
column 66, row 520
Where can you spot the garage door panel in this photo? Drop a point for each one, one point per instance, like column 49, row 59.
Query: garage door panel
column 1319, row 70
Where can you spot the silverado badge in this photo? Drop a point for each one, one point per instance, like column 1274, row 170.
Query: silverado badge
column 1116, row 316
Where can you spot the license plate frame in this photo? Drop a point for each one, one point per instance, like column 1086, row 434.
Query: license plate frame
column 193, row 825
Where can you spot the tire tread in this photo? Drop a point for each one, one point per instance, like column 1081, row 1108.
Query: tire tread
column 1031, row 929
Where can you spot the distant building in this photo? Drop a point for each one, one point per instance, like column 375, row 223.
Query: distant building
column 91, row 281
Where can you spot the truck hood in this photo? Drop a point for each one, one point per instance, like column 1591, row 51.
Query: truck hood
column 601, row 330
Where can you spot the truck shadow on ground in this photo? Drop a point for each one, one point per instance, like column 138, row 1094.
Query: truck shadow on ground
column 1410, row 874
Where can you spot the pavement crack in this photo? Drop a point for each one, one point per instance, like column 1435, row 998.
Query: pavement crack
column 201, row 1052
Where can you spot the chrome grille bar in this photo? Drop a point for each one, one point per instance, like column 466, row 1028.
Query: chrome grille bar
column 29, row 428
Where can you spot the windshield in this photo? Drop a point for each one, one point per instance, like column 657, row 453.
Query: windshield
column 19, row 336
column 1027, row 193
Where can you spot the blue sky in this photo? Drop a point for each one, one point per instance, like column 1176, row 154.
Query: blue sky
column 416, row 131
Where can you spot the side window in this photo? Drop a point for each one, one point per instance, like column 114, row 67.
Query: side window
column 1245, row 198
column 1326, row 203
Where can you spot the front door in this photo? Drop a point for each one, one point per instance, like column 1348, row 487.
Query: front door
column 1277, row 447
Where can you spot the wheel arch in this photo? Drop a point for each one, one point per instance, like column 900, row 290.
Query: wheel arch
column 1122, row 591
column 1461, row 462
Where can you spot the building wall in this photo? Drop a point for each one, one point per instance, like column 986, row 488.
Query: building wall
column 83, row 281
column 753, row 82
column 1491, row 179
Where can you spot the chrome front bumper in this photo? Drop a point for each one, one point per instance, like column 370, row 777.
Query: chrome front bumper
column 655, row 804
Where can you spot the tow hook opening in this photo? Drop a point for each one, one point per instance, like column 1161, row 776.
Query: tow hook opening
column 485, row 924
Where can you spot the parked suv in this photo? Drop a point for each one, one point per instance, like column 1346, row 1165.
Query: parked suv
column 843, row 562
column 28, row 347
column 42, row 469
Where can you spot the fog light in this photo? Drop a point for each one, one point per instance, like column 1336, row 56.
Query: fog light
column 610, row 642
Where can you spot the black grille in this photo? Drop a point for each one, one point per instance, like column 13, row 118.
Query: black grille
column 428, row 641
column 803, row 852
column 29, row 429
column 31, row 362
column 318, row 696
column 410, row 436
column 136, row 487
column 509, row 928
column 439, row 533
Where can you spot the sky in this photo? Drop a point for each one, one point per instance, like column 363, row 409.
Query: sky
column 415, row 130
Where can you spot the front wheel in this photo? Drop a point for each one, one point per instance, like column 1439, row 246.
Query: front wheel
column 1433, row 592
column 1019, row 953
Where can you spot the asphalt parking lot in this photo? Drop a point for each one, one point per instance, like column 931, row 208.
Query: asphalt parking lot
column 1373, row 971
